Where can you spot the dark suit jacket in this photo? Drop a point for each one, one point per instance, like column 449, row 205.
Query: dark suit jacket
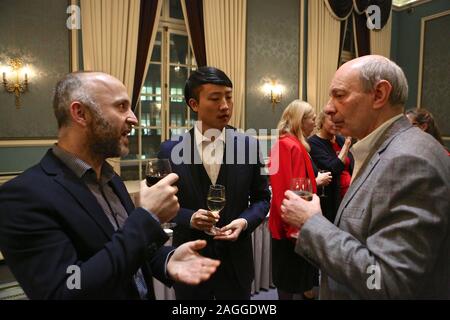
column 247, row 194
column 50, row 220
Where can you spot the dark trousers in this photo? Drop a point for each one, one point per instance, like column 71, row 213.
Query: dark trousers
column 223, row 285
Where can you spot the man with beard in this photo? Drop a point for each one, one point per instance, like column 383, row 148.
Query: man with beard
column 68, row 228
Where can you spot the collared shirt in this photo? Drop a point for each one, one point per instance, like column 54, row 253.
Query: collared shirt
column 210, row 147
column 105, row 196
column 362, row 148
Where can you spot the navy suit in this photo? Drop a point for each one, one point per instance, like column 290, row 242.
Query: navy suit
column 49, row 220
column 247, row 196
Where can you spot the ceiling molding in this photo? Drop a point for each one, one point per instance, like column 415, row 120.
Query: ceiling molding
column 408, row 5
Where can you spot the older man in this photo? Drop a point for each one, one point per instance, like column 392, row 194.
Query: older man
column 391, row 237
column 68, row 228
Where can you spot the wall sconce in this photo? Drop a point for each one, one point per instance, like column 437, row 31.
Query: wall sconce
column 15, row 86
column 274, row 91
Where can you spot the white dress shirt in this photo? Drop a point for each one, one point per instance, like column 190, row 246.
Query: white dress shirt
column 210, row 147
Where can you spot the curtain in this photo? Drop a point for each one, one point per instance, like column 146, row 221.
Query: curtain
column 148, row 28
column 110, row 33
column 323, row 52
column 225, row 32
column 342, row 9
column 380, row 40
column 344, row 25
column 193, row 16
column 361, row 34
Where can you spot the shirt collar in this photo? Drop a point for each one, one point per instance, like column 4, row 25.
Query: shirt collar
column 362, row 148
column 200, row 138
column 80, row 167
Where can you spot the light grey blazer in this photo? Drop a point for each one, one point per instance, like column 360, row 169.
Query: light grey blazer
column 391, row 236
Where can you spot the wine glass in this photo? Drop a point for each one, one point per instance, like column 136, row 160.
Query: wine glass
column 216, row 202
column 302, row 187
column 323, row 195
column 155, row 170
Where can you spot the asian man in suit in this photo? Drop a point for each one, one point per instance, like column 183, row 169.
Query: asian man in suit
column 391, row 235
column 214, row 153
column 68, row 227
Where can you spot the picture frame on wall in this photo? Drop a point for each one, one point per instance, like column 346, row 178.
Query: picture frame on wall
column 433, row 93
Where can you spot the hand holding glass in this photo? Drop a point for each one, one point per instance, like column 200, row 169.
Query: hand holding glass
column 302, row 187
column 323, row 195
column 155, row 170
column 216, row 202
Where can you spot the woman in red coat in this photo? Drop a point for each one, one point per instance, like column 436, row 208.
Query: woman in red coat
column 289, row 159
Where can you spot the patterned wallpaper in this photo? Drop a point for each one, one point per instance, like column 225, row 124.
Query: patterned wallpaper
column 436, row 71
column 36, row 31
column 272, row 53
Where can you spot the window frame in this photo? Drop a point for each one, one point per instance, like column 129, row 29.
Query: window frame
column 167, row 26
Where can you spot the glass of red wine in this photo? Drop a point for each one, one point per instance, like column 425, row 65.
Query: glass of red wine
column 155, row 170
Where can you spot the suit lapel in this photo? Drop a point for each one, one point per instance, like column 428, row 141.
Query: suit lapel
column 81, row 193
column 371, row 162
column 120, row 190
column 77, row 189
column 188, row 170
column 356, row 184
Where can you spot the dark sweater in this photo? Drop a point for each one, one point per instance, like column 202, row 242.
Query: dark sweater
column 324, row 157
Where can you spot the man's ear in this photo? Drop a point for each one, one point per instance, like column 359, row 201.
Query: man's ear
column 79, row 113
column 193, row 104
column 382, row 93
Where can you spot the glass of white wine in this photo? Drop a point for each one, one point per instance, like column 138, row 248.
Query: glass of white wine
column 302, row 187
column 216, row 202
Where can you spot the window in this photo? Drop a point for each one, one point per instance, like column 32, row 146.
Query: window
column 161, row 110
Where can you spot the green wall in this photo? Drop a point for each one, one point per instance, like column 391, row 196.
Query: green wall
column 272, row 52
column 36, row 32
column 405, row 49
column 19, row 159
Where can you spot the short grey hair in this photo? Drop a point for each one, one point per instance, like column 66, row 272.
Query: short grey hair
column 68, row 89
column 375, row 69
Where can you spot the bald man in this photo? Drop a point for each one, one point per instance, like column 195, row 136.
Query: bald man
column 391, row 235
column 68, row 228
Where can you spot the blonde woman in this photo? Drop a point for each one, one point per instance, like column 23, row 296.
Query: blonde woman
column 289, row 159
